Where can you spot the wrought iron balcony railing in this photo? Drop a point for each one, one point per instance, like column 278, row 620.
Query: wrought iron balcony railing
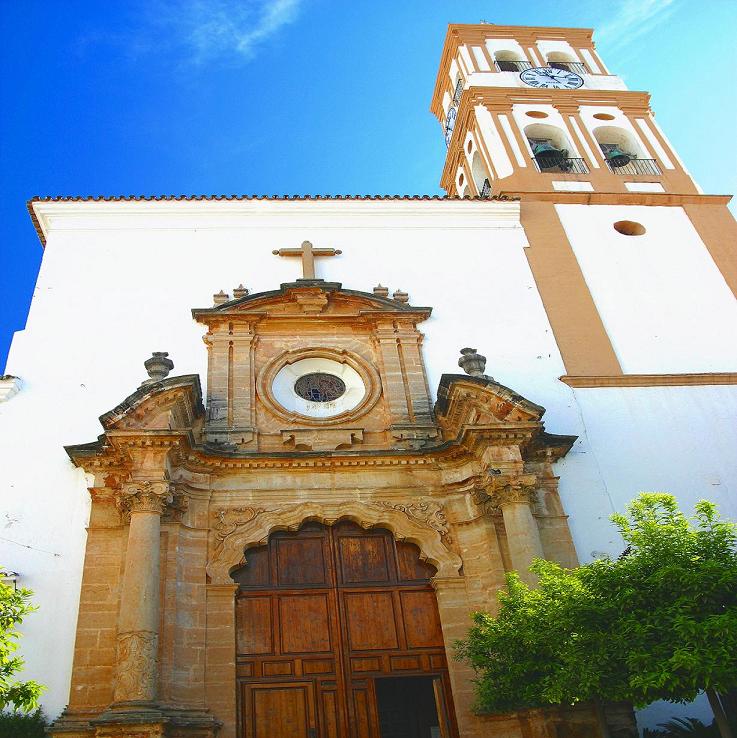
column 512, row 66
column 565, row 165
column 637, row 166
column 458, row 91
column 576, row 67
column 485, row 189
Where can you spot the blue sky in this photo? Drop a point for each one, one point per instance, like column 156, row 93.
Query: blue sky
column 296, row 96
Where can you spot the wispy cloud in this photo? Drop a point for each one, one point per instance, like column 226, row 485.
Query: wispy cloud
column 218, row 28
column 200, row 31
column 632, row 19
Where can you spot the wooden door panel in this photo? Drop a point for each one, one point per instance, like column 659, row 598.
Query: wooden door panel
column 285, row 710
column 420, row 618
column 364, row 714
column 322, row 614
column 363, row 559
column 330, row 714
column 255, row 572
column 304, row 623
column 370, row 620
column 255, row 632
column 301, row 561
column 411, row 567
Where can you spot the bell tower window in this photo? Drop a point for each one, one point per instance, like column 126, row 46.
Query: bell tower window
column 552, row 151
column 510, row 61
column 623, row 153
column 559, row 60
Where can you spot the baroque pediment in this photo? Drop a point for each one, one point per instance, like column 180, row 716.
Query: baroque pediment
column 311, row 298
column 171, row 404
column 480, row 410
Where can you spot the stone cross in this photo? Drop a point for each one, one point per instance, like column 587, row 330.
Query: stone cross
column 308, row 254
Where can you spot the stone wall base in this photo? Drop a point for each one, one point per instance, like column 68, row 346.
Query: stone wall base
column 136, row 721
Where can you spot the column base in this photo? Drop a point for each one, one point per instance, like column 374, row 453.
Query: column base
column 136, row 720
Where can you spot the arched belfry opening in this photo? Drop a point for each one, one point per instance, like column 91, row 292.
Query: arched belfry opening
column 335, row 626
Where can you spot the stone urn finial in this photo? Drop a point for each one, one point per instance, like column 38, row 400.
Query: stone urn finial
column 158, row 366
column 472, row 362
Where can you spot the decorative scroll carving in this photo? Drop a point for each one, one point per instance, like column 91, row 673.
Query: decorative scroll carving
column 240, row 528
column 429, row 512
column 137, row 666
column 496, row 492
column 145, row 496
column 177, row 507
column 230, row 518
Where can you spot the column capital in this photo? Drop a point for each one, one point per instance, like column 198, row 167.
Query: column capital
column 145, row 496
column 498, row 492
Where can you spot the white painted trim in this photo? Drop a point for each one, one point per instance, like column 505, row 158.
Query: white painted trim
column 536, row 60
column 465, row 58
column 659, row 150
column 644, row 187
column 507, row 126
column 572, row 186
column 584, row 143
column 478, row 53
column 247, row 214
column 590, row 60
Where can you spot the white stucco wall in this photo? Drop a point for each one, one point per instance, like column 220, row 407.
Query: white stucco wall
column 663, row 301
column 118, row 281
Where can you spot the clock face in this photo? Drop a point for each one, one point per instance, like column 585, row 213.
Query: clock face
column 559, row 79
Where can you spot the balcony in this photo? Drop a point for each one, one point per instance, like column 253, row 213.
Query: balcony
column 512, row 66
column 576, row 67
column 564, row 165
column 636, row 166
column 485, row 190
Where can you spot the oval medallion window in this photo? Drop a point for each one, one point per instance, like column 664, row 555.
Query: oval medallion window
column 319, row 387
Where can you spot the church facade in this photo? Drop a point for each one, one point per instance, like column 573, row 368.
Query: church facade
column 281, row 533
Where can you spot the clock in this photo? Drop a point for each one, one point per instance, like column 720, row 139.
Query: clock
column 549, row 77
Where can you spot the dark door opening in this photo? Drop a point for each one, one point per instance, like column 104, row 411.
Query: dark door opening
column 407, row 707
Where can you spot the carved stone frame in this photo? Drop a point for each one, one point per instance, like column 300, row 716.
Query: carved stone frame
column 258, row 524
column 369, row 376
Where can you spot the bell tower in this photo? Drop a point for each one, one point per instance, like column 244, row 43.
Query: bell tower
column 536, row 110
column 624, row 247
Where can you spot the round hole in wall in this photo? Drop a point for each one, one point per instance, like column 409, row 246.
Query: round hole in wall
column 629, row 228
column 536, row 114
column 603, row 116
column 461, row 179
column 470, row 146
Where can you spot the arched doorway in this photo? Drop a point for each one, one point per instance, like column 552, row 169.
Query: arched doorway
column 338, row 636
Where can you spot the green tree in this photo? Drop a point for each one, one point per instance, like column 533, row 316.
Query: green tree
column 14, row 606
column 659, row 622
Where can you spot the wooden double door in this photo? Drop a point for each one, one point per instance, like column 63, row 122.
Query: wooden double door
column 337, row 629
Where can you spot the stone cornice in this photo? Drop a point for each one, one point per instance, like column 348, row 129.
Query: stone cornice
column 184, row 212
column 623, row 198
column 652, row 380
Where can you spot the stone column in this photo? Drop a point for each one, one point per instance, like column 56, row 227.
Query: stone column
column 136, row 677
column 515, row 498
